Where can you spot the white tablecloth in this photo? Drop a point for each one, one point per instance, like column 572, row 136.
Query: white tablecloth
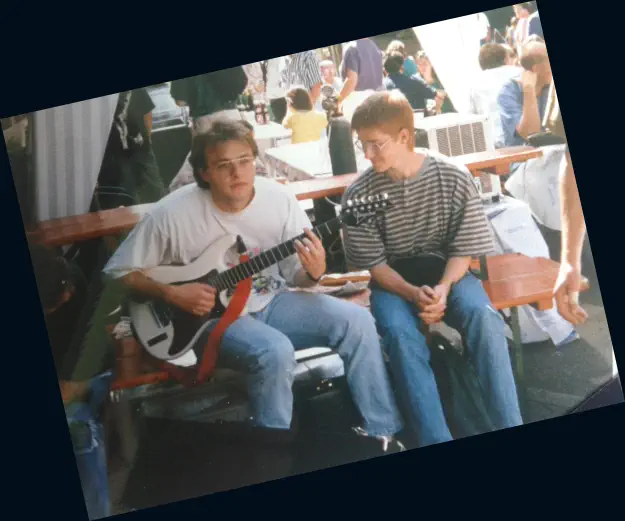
column 302, row 161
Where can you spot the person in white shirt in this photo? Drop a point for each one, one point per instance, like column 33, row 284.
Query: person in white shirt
column 497, row 64
column 229, row 199
column 328, row 73
column 275, row 89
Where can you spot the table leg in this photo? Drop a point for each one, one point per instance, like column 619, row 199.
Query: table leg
column 517, row 347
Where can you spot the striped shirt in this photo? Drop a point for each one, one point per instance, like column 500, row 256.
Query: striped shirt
column 301, row 69
column 437, row 211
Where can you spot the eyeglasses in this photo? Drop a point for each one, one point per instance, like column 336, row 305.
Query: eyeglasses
column 377, row 148
column 227, row 167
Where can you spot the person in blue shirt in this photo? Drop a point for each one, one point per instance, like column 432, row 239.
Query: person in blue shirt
column 413, row 87
column 410, row 65
column 523, row 99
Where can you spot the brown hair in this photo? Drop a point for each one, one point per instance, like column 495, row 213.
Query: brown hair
column 299, row 98
column 388, row 110
column 492, row 55
column 396, row 46
column 393, row 62
column 220, row 130
column 530, row 54
column 530, row 7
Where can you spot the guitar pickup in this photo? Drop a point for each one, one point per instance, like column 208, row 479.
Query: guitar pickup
column 158, row 338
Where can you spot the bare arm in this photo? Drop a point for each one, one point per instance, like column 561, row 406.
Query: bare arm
column 195, row 298
column 140, row 283
column 147, row 119
column 349, row 86
column 573, row 224
column 456, row 268
column 302, row 280
column 388, row 279
column 315, row 92
column 530, row 118
column 567, row 285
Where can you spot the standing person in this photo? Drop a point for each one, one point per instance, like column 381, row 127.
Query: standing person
column 255, row 77
column 427, row 72
column 306, row 123
column 523, row 99
column 362, row 68
column 302, row 68
column 228, row 198
column 62, row 290
column 129, row 162
column 328, row 73
column 276, row 93
column 437, row 210
column 486, row 32
column 523, row 12
column 497, row 67
column 207, row 96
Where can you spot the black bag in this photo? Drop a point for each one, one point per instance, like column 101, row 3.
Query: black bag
column 459, row 389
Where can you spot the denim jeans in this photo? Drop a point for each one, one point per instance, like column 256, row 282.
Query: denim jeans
column 468, row 311
column 88, row 442
column 263, row 345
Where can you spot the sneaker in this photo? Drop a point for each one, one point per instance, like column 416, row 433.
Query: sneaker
column 390, row 444
column 573, row 337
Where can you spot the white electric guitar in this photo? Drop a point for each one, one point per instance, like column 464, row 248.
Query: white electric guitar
column 167, row 332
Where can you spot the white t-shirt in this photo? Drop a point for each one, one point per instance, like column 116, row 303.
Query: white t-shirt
column 274, row 88
column 182, row 225
column 484, row 92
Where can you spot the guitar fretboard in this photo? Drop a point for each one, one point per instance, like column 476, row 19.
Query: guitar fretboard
column 230, row 278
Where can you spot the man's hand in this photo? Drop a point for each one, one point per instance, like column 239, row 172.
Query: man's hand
column 528, row 81
column 566, row 293
column 195, row 298
column 73, row 391
column 433, row 312
column 311, row 254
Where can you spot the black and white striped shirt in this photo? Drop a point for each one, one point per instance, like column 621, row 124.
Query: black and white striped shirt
column 301, row 69
column 437, row 211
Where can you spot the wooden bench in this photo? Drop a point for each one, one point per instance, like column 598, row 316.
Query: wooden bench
column 510, row 281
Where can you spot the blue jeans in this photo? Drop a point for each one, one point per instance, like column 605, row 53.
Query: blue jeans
column 469, row 311
column 88, row 442
column 263, row 345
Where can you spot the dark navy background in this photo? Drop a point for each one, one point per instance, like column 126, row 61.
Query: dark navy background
column 53, row 57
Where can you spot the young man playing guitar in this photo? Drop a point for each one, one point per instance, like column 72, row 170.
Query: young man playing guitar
column 228, row 199
column 418, row 254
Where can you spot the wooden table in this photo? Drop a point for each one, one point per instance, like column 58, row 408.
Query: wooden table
column 304, row 161
column 67, row 230
column 498, row 161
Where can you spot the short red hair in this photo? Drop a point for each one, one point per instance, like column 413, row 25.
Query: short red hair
column 388, row 111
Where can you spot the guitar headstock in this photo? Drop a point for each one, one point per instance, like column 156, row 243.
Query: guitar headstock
column 355, row 211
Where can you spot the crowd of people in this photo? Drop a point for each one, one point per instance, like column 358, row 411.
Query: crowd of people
column 438, row 211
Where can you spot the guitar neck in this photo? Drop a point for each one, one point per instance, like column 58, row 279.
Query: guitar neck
column 230, row 278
